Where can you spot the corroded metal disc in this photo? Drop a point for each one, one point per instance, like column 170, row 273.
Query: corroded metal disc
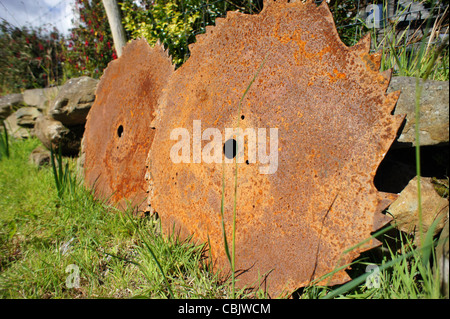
column 118, row 134
column 329, row 104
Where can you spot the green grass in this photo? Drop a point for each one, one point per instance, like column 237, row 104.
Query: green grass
column 41, row 234
column 403, row 272
column 123, row 256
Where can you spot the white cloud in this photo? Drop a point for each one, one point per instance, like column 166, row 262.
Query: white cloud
column 35, row 13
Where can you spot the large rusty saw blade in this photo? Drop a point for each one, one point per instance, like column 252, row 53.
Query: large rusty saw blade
column 329, row 105
column 118, row 134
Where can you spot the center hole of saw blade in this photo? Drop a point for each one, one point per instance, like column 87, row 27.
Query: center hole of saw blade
column 230, row 148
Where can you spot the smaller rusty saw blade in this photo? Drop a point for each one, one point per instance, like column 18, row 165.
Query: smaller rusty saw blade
column 118, row 134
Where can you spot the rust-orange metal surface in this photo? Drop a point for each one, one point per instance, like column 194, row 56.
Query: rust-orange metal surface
column 118, row 134
column 334, row 123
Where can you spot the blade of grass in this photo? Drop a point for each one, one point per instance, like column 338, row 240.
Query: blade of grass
column 429, row 239
column 55, row 172
column 222, row 204
column 60, row 169
column 233, row 249
column 232, row 257
column 427, row 72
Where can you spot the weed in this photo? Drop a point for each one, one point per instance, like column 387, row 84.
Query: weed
column 4, row 143
column 65, row 181
column 411, row 53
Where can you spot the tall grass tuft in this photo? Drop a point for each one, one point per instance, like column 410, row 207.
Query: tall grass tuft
column 408, row 274
column 411, row 54
column 4, row 143
column 148, row 249
column 65, row 181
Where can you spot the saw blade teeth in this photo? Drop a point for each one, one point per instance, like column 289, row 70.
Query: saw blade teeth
column 192, row 46
column 220, row 21
column 234, row 14
column 384, row 78
column 387, row 74
column 391, row 101
column 164, row 51
column 376, row 58
column 363, row 45
column 209, row 29
column 324, row 4
column 373, row 243
column 159, row 44
column 383, row 202
column 398, row 120
column 380, row 220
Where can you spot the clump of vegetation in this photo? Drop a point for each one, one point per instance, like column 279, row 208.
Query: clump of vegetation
column 175, row 23
column 29, row 58
column 422, row 51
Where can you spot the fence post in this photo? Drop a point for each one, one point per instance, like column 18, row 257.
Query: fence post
column 118, row 33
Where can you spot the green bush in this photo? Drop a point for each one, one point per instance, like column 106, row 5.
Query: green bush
column 29, row 58
column 175, row 23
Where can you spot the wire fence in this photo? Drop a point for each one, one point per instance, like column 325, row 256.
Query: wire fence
column 352, row 16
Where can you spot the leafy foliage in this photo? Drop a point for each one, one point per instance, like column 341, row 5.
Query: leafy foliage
column 28, row 57
column 175, row 23
column 89, row 48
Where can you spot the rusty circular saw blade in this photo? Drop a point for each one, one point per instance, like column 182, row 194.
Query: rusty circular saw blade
column 329, row 104
column 118, row 134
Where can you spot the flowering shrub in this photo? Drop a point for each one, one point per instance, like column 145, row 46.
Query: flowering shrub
column 89, row 48
column 29, row 58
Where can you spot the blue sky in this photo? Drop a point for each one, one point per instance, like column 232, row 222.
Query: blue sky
column 58, row 13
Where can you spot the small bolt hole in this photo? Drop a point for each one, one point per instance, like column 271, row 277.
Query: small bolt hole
column 120, row 131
